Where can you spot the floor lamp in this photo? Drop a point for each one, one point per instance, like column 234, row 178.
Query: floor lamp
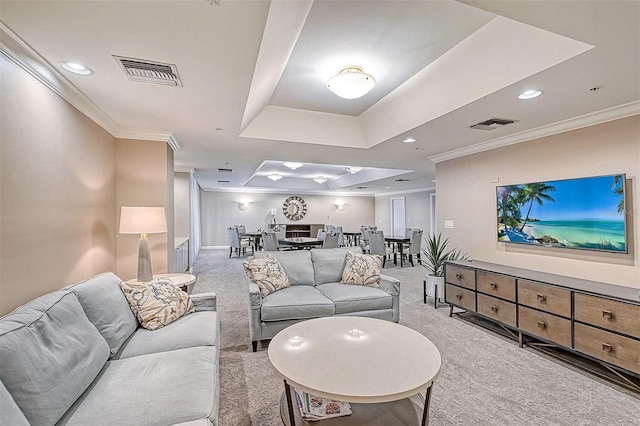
column 143, row 221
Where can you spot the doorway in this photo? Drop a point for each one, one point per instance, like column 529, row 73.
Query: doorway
column 398, row 216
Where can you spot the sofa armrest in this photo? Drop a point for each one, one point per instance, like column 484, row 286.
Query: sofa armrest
column 204, row 301
column 255, row 298
column 390, row 285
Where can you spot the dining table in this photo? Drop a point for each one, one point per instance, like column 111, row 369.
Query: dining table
column 400, row 241
column 300, row 242
column 255, row 236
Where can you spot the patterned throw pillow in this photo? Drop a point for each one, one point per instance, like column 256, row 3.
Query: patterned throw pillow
column 268, row 273
column 362, row 269
column 156, row 303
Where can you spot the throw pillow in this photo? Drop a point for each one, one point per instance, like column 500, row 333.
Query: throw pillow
column 156, row 303
column 268, row 273
column 362, row 269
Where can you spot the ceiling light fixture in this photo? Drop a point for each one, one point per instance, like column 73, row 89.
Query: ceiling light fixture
column 320, row 179
column 274, row 176
column 292, row 165
column 410, row 139
column 351, row 82
column 530, row 94
column 76, row 68
column 353, row 169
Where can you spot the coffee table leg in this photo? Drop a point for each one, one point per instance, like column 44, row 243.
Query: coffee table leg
column 287, row 390
column 425, row 411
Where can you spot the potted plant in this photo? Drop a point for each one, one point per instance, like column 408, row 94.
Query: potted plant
column 435, row 254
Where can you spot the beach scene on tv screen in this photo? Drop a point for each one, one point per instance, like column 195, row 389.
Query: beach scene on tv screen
column 586, row 213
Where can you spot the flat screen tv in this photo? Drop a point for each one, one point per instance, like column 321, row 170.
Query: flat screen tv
column 585, row 213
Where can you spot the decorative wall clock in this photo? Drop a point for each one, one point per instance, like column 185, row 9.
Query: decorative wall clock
column 294, row 208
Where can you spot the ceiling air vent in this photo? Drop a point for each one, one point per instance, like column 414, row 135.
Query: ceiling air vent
column 225, row 170
column 223, row 181
column 493, row 123
column 403, row 180
column 149, row 72
column 361, row 187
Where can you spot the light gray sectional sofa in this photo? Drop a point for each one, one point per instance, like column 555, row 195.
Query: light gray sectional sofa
column 78, row 357
column 315, row 291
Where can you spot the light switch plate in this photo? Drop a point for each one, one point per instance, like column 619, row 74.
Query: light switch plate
column 448, row 224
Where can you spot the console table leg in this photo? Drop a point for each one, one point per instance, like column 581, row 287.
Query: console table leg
column 287, row 390
column 424, row 290
column 425, row 411
column 450, row 310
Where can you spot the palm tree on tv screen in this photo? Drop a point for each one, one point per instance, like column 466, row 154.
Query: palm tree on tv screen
column 618, row 190
column 535, row 192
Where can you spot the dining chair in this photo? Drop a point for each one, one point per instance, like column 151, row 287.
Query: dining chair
column 338, row 230
column 237, row 244
column 414, row 247
column 270, row 241
column 330, row 240
column 378, row 246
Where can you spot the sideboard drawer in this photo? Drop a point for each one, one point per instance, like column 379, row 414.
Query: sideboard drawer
column 497, row 285
column 612, row 348
column 610, row 314
column 545, row 326
column 463, row 277
column 458, row 296
column 545, row 297
column 500, row 310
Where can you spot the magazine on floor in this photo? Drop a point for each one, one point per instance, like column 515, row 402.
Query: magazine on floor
column 314, row 408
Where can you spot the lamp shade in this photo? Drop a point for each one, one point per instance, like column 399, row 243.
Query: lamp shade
column 142, row 220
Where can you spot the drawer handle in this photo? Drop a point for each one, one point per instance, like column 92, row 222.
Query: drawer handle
column 607, row 347
column 607, row 314
column 541, row 297
column 493, row 285
column 494, row 308
column 458, row 296
column 542, row 325
column 458, row 276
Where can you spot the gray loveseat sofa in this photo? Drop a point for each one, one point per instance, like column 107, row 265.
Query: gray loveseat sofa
column 78, row 357
column 315, row 291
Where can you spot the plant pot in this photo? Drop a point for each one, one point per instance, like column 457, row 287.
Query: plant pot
column 432, row 282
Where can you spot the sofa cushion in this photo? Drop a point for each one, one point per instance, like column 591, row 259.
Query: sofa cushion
column 355, row 298
column 296, row 302
column 10, row 413
column 296, row 263
column 267, row 273
column 362, row 269
column 107, row 308
column 156, row 389
column 50, row 354
column 156, row 303
column 197, row 329
column 328, row 264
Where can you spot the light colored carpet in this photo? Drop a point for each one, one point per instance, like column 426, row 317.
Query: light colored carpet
column 485, row 379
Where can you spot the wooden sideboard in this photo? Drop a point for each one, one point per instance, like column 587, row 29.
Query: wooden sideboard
column 296, row 230
column 594, row 320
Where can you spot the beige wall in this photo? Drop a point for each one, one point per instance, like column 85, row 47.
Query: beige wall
column 57, row 192
column 144, row 178
column 466, row 195
column 220, row 210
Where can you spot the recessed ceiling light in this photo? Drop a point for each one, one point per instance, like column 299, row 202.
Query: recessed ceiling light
column 530, row 94
column 353, row 169
column 76, row 68
column 410, row 139
column 292, row 165
column 320, row 179
column 274, row 176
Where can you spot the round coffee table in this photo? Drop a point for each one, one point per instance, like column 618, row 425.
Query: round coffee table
column 357, row 360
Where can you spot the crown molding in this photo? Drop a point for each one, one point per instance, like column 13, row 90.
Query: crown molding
column 287, row 192
column 22, row 54
column 586, row 120
column 168, row 137
column 408, row 191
